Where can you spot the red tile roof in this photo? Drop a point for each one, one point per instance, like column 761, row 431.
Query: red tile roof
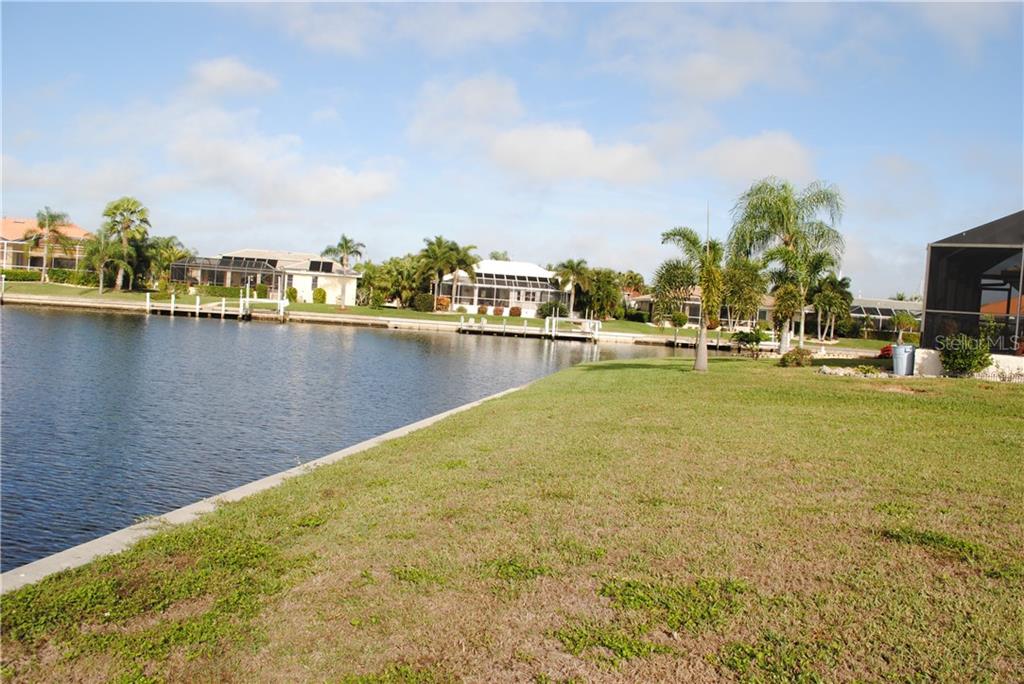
column 15, row 229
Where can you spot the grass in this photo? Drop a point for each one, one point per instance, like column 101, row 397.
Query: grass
column 61, row 290
column 629, row 521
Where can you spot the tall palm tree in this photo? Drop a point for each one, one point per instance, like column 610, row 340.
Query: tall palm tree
column 673, row 284
column 804, row 267
column 573, row 273
column 705, row 257
column 47, row 233
column 105, row 248
column 436, row 259
column 127, row 221
column 833, row 297
column 164, row 251
column 788, row 303
column 773, row 216
column 462, row 259
column 345, row 248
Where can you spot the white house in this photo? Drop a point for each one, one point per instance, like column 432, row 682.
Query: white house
column 278, row 270
column 503, row 284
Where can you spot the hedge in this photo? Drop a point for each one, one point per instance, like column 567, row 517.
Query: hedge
column 424, row 301
column 20, row 275
column 319, row 296
column 70, row 277
column 219, row 291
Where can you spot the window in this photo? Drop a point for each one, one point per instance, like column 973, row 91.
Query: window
column 315, row 278
column 529, row 296
column 288, row 280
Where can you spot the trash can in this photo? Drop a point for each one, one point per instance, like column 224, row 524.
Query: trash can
column 903, row 359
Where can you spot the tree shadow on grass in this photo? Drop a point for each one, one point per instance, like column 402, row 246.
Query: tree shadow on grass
column 664, row 364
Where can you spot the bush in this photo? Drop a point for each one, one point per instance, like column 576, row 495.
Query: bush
column 481, row 310
column 424, row 301
column 885, row 352
column 377, row 300
column 796, row 357
column 679, row 319
column 19, row 275
column 551, row 308
column 515, row 312
column 638, row 316
column 261, row 291
column 319, row 296
column 713, row 323
column 460, row 309
column 59, row 275
column 750, row 341
column 443, row 303
column 219, row 291
column 499, row 311
column 292, row 295
column 962, row 355
column 71, row 277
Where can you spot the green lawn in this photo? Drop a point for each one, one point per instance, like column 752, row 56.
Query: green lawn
column 61, row 290
column 629, row 521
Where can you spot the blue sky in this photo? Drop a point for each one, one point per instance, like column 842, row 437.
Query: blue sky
column 549, row 131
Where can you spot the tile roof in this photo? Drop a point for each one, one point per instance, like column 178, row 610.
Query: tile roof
column 15, row 229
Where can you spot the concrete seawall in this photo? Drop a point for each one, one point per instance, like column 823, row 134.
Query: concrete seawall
column 118, row 541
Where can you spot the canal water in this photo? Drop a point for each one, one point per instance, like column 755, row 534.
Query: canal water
column 110, row 417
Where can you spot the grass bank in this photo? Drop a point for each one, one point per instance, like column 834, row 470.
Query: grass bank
column 616, row 521
column 79, row 292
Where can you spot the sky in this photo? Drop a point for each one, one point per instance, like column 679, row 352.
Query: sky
column 547, row 131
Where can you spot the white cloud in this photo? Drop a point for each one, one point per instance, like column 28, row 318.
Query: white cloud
column 324, row 114
column 772, row 153
column 228, row 76
column 355, row 29
column 550, row 152
column 469, row 109
column 968, row 25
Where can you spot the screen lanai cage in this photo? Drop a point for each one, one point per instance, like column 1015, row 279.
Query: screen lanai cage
column 229, row 271
column 975, row 274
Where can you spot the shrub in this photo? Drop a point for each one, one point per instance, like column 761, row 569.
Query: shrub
column 499, row 311
column 443, row 303
column 292, row 295
column 885, row 352
column 424, row 301
column 962, row 355
column 679, row 319
column 750, row 341
column 713, row 323
column 219, row 291
column 515, row 312
column 638, row 316
column 796, row 357
column 481, row 310
column 59, row 275
column 13, row 275
column 85, row 278
column 460, row 309
column 551, row 308
column 377, row 300
column 319, row 296
column 261, row 291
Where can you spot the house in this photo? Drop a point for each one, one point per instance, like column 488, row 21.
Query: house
column 503, row 284
column 14, row 252
column 278, row 270
column 974, row 273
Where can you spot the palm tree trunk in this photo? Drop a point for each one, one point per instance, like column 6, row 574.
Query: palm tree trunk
column 572, row 297
column 46, row 250
column 818, row 321
column 700, row 361
column 803, row 316
column 101, row 280
column 784, row 338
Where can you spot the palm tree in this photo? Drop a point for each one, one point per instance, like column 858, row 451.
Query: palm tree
column 127, row 221
column 462, row 259
column 499, row 256
column 773, row 217
column 673, row 284
column 436, row 259
column 164, row 251
column 788, row 303
column 804, row 267
column 346, row 247
column 573, row 273
column 832, row 297
column 745, row 284
column 104, row 248
column 48, row 232
column 705, row 257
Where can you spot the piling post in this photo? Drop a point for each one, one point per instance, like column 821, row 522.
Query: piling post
column 504, row 324
column 3, row 282
column 149, row 304
column 197, row 306
column 239, row 306
column 173, row 297
column 223, row 307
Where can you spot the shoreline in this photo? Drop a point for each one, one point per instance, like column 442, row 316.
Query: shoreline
column 120, row 540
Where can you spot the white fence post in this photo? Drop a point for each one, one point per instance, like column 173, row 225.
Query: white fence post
column 149, row 303
column 197, row 306
column 240, row 312
column 172, row 303
column 223, row 306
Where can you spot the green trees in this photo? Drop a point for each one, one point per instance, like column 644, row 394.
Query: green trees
column 673, row 284
column 104, row 248
column 162, row 252
column 345, row 248
column 604, row 292
column 462, row 259
column 788, row 302
column 794, row 229
column 744, row 287
column 436, row 260
column 48, row 233
column 705, row 258
column 127, row 221
column 499, row 256
column 633, row 282
column 832, row 300
column 573, row 273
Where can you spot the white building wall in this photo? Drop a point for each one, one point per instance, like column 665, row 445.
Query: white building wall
column 341, row 290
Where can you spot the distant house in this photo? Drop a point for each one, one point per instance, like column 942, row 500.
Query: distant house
column 505, row 284
column 278, row 270
column 13, row 252
column 974, row 273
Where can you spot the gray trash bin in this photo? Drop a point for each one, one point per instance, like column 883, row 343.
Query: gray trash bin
column 903, row 359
